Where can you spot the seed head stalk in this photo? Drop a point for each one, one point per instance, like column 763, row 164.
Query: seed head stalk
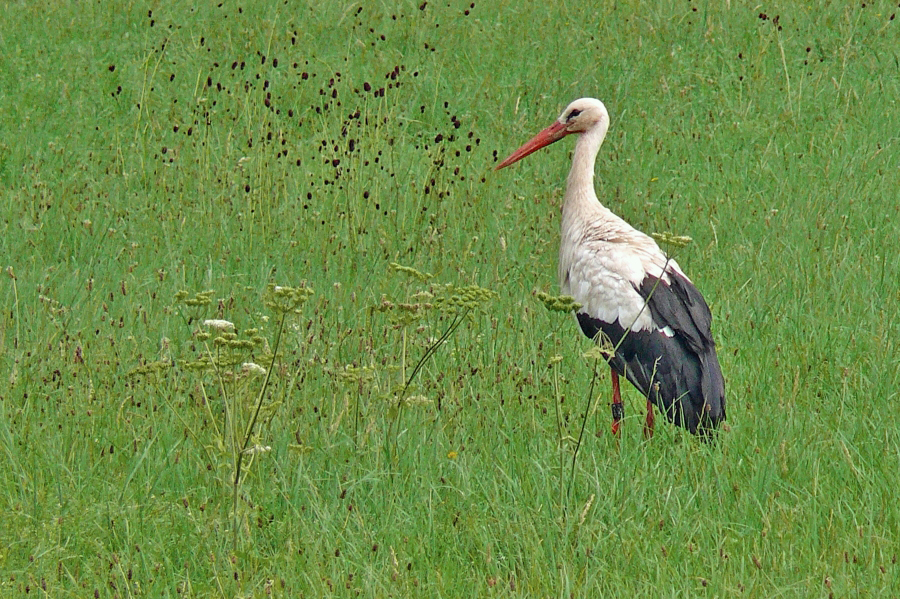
column 248, row 434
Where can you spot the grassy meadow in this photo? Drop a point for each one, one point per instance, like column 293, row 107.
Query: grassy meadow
column 409, row 429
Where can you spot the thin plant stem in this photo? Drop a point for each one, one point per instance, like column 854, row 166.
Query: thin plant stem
column 425, row 356
column 228, row 412
column 249, row 432
column 590, row 399
column 432, row 349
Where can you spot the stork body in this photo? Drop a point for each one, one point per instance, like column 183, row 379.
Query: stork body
column 632, row 295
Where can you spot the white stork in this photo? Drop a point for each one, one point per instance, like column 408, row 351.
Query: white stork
column 630, row 292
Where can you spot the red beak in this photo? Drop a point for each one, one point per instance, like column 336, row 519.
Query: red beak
column 554, row 132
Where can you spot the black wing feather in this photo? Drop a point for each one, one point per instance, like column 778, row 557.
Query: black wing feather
column 680, row 374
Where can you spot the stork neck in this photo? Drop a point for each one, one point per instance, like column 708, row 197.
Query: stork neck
column 581, row 178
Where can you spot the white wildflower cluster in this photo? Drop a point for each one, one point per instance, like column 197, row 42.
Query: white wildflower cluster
column 219, row 325
column 253, row 368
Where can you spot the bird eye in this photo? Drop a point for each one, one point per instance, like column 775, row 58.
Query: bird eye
column 573, row 114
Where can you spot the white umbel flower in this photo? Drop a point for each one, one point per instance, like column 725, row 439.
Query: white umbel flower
column 253, row 368
column 219, row 325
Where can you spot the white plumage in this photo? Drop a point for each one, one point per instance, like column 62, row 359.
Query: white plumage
column 631, row 293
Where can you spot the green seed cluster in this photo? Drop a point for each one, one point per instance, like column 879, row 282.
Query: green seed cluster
column 453, row 299
column 402, row 313
column 412, row 272
column 671, row 240
column 354, row 374
column 201, row 298
column 447, row 299
column 155, row 368
column 286, row 300
column 558, row 303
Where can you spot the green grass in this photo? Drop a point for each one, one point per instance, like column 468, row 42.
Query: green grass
column 147, row 149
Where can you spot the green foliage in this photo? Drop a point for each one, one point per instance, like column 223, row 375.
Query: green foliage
column 148, row 150
column 228, row 363
column 451, row 304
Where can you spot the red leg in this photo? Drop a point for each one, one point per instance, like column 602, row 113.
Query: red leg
column 648, row 424
column 618, row 411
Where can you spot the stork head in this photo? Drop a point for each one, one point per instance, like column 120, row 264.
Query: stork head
column 585, row 115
